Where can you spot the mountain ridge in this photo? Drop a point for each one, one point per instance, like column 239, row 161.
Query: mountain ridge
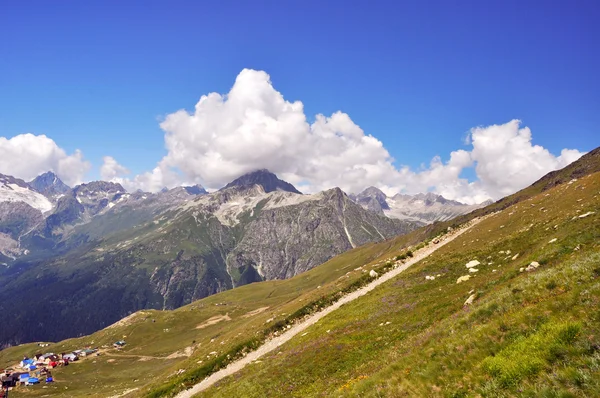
column 422, row 207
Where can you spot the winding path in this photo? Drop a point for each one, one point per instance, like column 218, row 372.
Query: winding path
column 294, row 330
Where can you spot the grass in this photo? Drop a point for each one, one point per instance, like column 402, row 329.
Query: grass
column 527, row 356
column 527, row 333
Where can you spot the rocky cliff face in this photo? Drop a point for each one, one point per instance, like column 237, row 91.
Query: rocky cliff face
column 285, row 240
column 16, row 219
column 49, row 185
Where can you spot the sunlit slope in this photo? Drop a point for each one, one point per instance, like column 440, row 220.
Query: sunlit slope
column 160, row 343
column 526, row 333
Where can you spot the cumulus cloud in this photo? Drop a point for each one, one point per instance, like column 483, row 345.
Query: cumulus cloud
column 254, row 127
column 111, row 169
column 27, row 156
column 508, row 161
column 156, row 179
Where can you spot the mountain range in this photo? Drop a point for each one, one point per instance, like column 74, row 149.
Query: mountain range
column 423, row 207
column 96, row 246
column 42, row 214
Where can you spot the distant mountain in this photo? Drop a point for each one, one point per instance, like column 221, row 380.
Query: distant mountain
column 49, row 185
column 163, row 251
column 16, row 190
column 372, row 199
column 267, row 180
column 426, row 208
column 93, row 210
column 195, row 190
column 21, row 210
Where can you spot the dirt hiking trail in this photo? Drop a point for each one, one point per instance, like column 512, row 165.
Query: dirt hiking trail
column 294, row 330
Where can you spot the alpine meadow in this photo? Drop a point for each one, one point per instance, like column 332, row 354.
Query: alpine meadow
column 299, row 199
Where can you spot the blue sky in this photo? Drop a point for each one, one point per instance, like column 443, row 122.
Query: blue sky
column 417, row 75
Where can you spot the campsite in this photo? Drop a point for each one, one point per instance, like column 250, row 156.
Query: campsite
column 40, row 369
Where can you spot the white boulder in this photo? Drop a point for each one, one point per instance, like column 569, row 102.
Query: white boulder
column 470, row 299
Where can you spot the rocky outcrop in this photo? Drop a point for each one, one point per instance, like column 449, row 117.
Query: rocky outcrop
column 195, row 190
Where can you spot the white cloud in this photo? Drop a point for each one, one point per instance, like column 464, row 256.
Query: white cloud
column 161, row 176
column 111, row 169
column 254, row 127
column 27, row 156
column 508, row 161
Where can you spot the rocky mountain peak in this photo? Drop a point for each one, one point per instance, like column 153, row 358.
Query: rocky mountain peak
column 373, row 199
column 422, row 207
column 428, row 199
column 267, row 180
column 49, row 184
column 372, row 191
column 195, row 190
column 99, row 187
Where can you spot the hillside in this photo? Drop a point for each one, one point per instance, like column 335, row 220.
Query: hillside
column 522, row 324
column 120, row 253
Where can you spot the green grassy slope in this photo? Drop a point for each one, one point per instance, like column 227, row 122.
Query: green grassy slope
column 157, row 340
column 526, row 334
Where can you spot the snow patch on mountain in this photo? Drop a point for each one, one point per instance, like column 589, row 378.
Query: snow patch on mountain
column 14, row 192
